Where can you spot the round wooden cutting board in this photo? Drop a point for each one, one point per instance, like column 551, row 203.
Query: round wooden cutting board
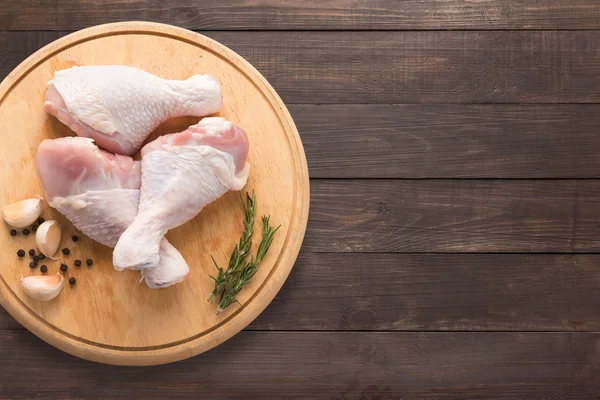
column 109, row 316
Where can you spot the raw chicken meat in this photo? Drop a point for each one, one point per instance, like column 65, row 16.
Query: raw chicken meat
column 181, row 174
column 99, row 193
column 120, row 106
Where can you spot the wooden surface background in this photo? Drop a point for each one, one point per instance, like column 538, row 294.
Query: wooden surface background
column 453, row 247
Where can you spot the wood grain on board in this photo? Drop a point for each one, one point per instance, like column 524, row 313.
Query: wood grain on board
column 335, row 365
column 175, row 324
column 432, row 292
column 404, row 67
column 305, row 15
column 454, row 216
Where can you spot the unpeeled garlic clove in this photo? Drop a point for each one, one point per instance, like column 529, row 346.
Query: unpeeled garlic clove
column 22, row 213
column 47, row 237
column 43, row 288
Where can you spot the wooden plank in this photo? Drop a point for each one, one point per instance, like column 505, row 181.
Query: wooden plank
column 450, row 141
column 438, row 292
column 454, row 216
column 303, row 365
column 17, row 46
column 425, row 67
column 312, row 14
column 405, row 67
column 7, row 322
column 433, row 292
column 428, row 141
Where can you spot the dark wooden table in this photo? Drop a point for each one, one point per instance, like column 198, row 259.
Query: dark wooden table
column 453, row 248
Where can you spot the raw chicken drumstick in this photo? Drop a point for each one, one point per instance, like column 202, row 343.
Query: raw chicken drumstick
column 181, row 174
column 120, row 106
column 99, row 193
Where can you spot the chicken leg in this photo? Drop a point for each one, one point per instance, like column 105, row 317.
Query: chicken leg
column 99, row 193
column 181, row 174
column 120, row 106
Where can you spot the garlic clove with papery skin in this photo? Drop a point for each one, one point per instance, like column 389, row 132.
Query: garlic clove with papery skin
column 43, row 288
column 22, row 213
column 47, row 237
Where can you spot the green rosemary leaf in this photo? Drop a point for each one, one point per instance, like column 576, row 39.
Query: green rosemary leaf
column 240, row 251
column 244, row 275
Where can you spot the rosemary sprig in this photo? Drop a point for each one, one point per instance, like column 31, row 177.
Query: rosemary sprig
column 249, row 269
column 240, row 251
column 239, row 272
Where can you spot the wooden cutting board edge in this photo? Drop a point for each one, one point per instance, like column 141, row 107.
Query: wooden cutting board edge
column 265, row 293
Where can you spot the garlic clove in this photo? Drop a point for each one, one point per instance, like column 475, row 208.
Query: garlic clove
column 47, row 237
column 22, row 213
column 43, row 288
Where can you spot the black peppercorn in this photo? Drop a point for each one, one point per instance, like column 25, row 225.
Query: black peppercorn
column 75, row 238
column 40, row 220
column 32, row 264
column 72, row 281
column 32, row 252
column 89, row 262
column 25, row 232
column 66, row 251
column 36, row 258
column 44, row 268
column 34, row 227
column 13, row 232
column 78, row 263
column 41, row 256
column 63, row 267
column 21, row 253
